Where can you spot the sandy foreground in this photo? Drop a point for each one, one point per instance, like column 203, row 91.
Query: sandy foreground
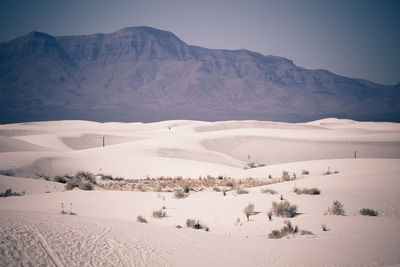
column 105, row 232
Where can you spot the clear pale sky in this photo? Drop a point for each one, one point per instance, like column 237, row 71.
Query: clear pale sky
column 359, row 39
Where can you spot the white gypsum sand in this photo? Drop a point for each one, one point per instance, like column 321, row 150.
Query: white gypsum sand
column 104, row 230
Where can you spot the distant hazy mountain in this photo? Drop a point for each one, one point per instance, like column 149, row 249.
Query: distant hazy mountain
column 145, row 74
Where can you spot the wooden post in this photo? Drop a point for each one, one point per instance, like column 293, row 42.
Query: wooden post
column 103, row 141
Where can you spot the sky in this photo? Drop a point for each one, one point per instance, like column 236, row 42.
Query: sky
column 354, row 38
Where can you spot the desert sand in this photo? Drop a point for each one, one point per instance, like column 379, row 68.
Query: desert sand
column 104, row 231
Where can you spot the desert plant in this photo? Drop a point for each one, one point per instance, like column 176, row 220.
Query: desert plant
column 308, row 191
column 9, row 193
column 285, row 176
column 269, row 213
column 71, row 184
column 186, row 189
column 324, row 227
column 281, row 198
column 141, row 219
column 180, row 194
column 249, row 210
column 336, row 209
column 284, row 209
column 368, row 212
column 286, row 230
column 305, row 172
column 159, row 213
column 60, row 179
column 268, row 191
column 86, row 186
column 7, row 172
column 241, row 191
column 191, row 223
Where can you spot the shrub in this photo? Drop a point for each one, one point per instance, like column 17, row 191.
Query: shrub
column 284, row 209
column 9, row 193
column 336, row 209
column 159, row 213
column 141, row 219
column 180, row 194
column 60, row 179
column 324, row 227
column 286, row 230
column 308, row 191
column 285, row 176
column 186, row 189
column 241, row 191
column 368, row 212
column 85, row 186
column 71, row 184
column 191, row 223
column 249, row 210
column 268, row 191
column 305, row 172
column 7, row 172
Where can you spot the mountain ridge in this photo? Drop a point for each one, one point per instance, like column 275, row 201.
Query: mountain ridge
column 146, row 74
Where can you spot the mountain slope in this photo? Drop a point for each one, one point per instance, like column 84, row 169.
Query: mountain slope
column 145, row 74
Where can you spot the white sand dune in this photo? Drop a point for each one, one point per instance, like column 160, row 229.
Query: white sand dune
column 105, row 231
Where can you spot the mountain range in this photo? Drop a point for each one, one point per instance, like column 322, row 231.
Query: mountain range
column 146, row 74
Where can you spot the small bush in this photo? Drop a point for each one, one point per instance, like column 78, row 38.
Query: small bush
column 336, row 209
column 60, row 179
column 191, row 223
column 141, row 219
column 7, row 172
column 305, row 172
column 268, row 191
column 285, row 176
column 9, row 193
column 186, row 189
column 241, row 191
column 286, row 230
column 159, row 214
column 368, row 212
column 249, row 210
column 324, row 227
column 71, row 184
column 86, row 186
column 307, row 191
column 284, row 209
column 180, row 194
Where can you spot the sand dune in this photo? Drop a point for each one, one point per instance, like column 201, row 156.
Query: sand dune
column 104, row 230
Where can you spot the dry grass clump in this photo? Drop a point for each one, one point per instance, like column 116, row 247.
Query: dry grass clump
column 249, row 210
column 307, row 191
column 269, row 214
column 10, row 193
column 324, row 227
column 71, row 184
column 368, row 212
column 180, row 194
column 168, row 184
column 268, row 191
column 241, row 191
column 305, row 172
column 284, row 209
column 159, row 213
column 286, row 230
column 141, row 219
column 336, row 209
column 7, row 172
column 252, row 165
column 195, row 224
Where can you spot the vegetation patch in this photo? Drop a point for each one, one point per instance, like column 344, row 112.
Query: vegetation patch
column 307, row 191
column 284, row 209
column 268, row 191
column 286, row 230
column 249, row 210
column 159, row 213
column 241, row 191
column 141, row 219
column 336, row 209
column 368, row 212
column 196, row 224
column 10, row 193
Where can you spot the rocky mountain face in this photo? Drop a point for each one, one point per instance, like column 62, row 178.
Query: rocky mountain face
column 145, row 74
